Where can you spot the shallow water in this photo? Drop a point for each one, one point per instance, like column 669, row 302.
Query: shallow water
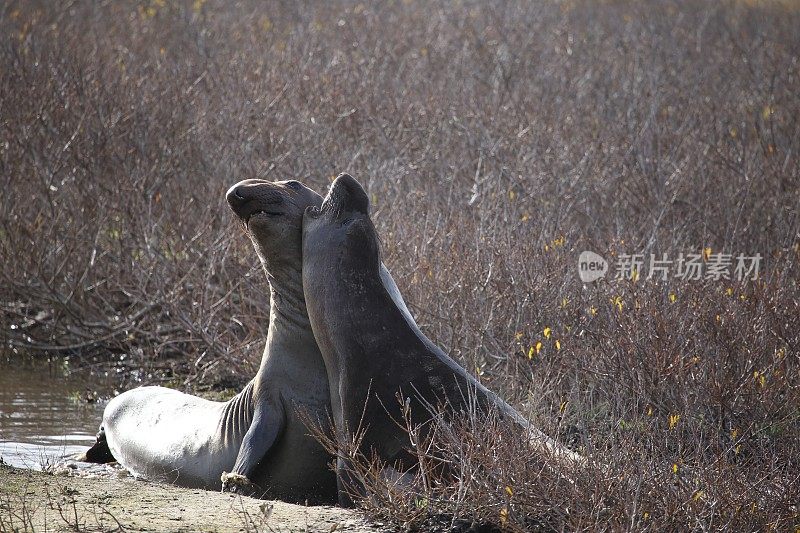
column 44, row 412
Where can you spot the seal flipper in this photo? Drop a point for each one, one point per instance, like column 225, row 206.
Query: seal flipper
column 99, row 453
column 256, row 444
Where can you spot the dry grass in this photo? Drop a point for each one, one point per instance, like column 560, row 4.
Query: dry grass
column 497, row 141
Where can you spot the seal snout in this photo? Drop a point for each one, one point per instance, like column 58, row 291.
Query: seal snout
column 347, row 195
column 254, row 197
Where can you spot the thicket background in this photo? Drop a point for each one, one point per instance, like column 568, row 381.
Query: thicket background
column 497, row 141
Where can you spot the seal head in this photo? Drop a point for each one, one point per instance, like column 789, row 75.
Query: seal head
column 272, row 215
column 344, row 215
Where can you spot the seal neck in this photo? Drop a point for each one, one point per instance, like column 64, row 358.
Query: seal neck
column 287, row 302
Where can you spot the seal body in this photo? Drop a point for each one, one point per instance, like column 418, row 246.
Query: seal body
column 255, row 443
column 381, row 367
column 165, row 435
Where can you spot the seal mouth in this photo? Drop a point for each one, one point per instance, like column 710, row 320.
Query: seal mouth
column 259, row 214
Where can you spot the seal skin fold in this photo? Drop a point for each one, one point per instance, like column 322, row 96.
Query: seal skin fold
column 373, row 348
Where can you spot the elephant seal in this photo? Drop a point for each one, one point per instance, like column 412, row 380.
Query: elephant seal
column 373, row 350
column 255, row 443
column 165, row 435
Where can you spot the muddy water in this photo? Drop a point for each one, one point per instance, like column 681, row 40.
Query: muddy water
column 47, row 412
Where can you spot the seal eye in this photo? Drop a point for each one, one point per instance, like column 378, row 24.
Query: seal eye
column 296, row 185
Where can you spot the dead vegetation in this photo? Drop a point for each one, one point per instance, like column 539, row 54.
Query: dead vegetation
column 497, row 142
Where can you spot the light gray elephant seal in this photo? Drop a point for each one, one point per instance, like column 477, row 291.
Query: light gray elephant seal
column 255, row 442
column 165, row 435
column 372, row 349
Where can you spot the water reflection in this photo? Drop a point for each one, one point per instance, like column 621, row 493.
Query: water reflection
column 44, row 412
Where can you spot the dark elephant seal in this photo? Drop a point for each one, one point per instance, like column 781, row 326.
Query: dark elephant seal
column 255, row 443
column 372, row 349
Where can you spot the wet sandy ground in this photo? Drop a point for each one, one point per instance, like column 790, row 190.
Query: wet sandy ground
column 112, row 501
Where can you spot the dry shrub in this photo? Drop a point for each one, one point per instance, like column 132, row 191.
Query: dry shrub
column 497, row 142
column 474, row 473
column 651, row 469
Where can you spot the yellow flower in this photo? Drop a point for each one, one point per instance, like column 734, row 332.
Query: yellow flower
column 547, row 332
column 592, row 310
column 673, row 420
column 558, row 344
column 675, row 468
column 672, row 297
column 729, row 291
column 617, row 301
column 564, row 302
column 649, row 411
column 706, row 253
column 503, row 516
column 509, row 490
column 531, row 352
column 538, row 346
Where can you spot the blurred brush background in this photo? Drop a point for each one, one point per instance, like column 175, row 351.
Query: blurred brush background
column 497, row 142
